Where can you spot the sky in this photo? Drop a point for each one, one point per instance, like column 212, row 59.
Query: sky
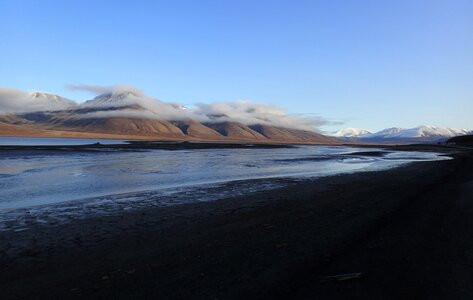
column 356, row 63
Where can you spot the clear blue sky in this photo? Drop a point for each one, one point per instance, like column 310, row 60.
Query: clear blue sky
column 370, row 64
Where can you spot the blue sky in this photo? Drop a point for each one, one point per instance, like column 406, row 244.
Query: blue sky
column 369, row 64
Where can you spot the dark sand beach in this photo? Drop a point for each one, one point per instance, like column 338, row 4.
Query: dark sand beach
column 403, row 233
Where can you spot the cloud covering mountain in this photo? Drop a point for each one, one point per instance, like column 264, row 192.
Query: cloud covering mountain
column 136, row 104
column 12, row 100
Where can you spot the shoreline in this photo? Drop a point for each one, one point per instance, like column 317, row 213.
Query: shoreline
column 210, row 190
column 163, row 139
column 270, row 244
column 163, row 144
column 146, row 145
column 130, row 145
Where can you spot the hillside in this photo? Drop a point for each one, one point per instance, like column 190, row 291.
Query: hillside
column 128, row 113
column 86, row 122
column 465, row 140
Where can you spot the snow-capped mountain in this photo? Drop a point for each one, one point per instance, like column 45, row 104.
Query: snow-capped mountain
column 396, row 134
column 114, row 99
column 131, row 103
column 388, row 132
column 54, row 101
column 351, row 132
column 428, row 132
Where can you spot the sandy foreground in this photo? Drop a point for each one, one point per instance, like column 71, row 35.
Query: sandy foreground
column 403, row 233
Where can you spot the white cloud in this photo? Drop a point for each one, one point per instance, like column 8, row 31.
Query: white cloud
column 250, row 113
column 124, row 95
column 97, row 89
column 16, row 101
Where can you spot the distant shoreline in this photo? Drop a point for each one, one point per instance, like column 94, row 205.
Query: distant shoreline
column 130, row 144
column 140, row 145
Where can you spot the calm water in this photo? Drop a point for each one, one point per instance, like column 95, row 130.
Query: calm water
column 31, row 141
column 45, row 178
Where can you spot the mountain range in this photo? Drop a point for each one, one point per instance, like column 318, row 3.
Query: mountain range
column 130, row 115
column 422, row 134
column 123, row 113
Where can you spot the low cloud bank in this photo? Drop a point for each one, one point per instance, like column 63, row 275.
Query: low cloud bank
column 251, row 113
column 16, row 101
column 138, row 105
column 97, row 89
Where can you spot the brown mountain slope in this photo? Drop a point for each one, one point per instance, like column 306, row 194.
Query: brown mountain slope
column 291, row 135
column 17, row 130
column 124, row 126
column 197, row 130
column 9, row 130
column 80, row 121
column 238, row 131
column 13, row 119
column 84, row 122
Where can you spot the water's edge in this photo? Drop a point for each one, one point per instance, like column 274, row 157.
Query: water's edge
column 61, row 186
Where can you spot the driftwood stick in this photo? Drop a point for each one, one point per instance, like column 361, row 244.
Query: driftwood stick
column 340, row 277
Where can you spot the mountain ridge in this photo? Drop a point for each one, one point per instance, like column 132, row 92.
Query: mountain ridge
column 129, row 114
column 124, row 111
column 423, row 133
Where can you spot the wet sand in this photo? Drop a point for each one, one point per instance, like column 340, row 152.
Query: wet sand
column 405, row 233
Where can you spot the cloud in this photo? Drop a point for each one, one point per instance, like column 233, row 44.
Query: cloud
column 16, row 101
column 251, row 113
column 112, row 89
column 131, row 102
column 126, row 96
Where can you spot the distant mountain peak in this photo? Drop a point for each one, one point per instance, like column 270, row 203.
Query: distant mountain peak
column 351, row 132
column 57, row 101
column 122, row 97
column 117, row 95
column 429, row 130
column 47, row 96
column 427, row 133
column 41, row 95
